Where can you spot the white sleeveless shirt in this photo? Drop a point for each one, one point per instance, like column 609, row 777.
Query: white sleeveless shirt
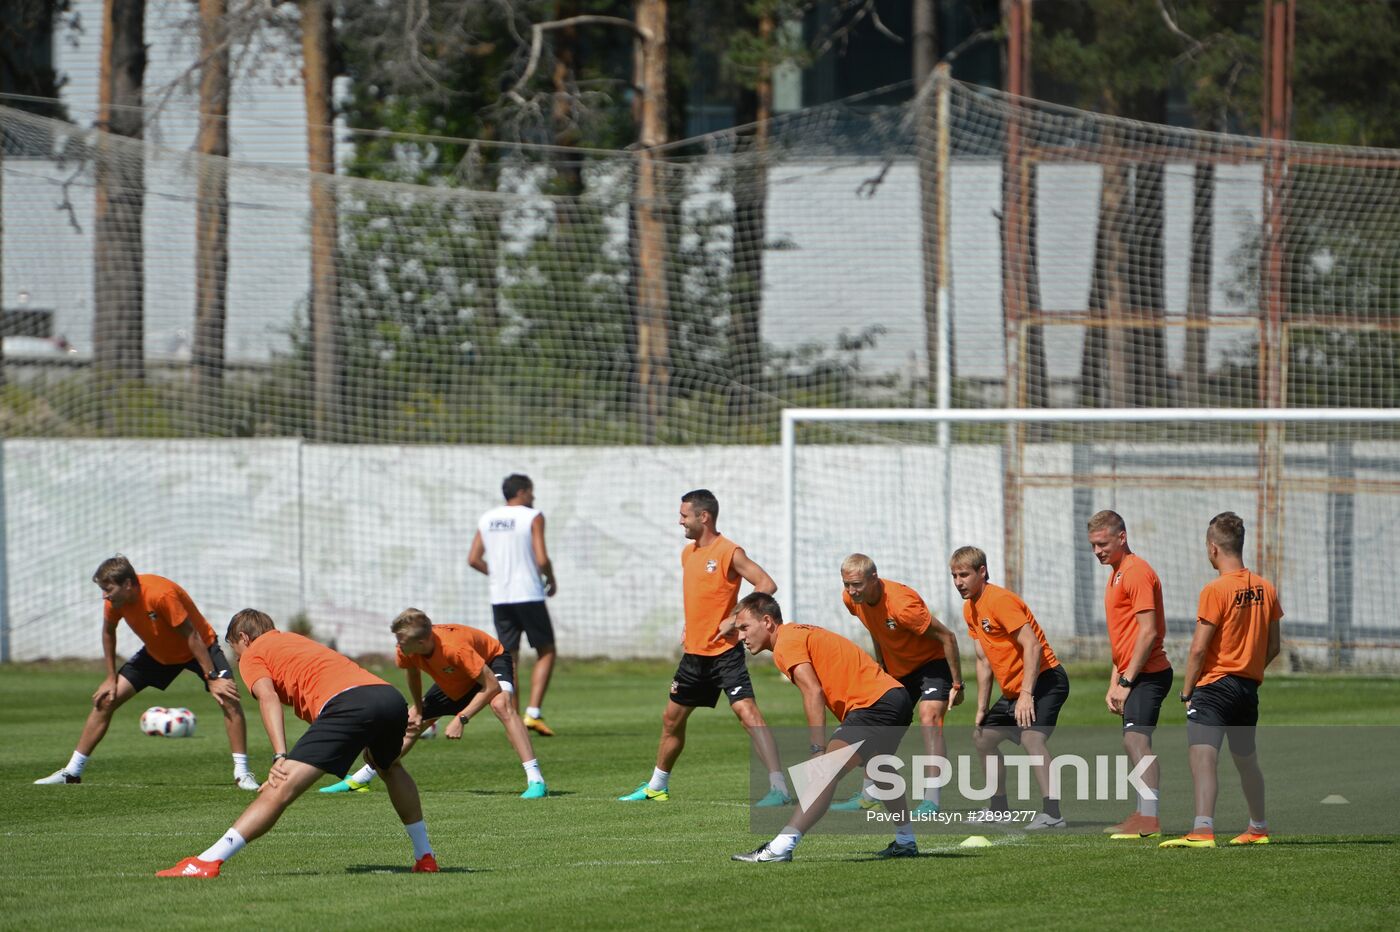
column 510, row 554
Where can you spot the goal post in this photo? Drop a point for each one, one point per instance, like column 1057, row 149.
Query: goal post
column 1317, row 488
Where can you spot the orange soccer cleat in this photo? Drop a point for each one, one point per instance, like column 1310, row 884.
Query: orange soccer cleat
column 1251, row 837
column 192, row 867
column 1193, row 840
column 1137, row 826
column 427, row 864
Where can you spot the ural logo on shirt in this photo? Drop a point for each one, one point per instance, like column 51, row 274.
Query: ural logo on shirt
column 449, row 669
column 152, row 616
column 1244, row 596
column 987, row 625
column 501, row 524
column 1117, row 578
column 711, row 565
column 889, row 623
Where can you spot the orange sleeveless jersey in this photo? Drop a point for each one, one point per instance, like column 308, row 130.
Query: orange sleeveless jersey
column 158, row 609
column 897, row 623
column 459, row 654
column 710, row 596
column 993, row 620
column 305, row 674
column 1131, row 589
column 1242, row 605
column 849, row 676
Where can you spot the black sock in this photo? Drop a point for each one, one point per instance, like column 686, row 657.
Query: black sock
column 1050, row 807
column 998, row 803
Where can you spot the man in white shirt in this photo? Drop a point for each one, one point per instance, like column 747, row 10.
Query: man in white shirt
column 509, row 548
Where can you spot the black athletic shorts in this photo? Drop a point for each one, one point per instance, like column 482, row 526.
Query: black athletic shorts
column 881, row 725
column 930, row 682
column 143, row 670
column 532, row 618
column 437, row 703
column 1144, row 703
column 699, row 680
column 368, row 719
column 1051, row 691
column 1226, row 708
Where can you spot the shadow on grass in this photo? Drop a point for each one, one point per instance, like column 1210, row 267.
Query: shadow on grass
column 400, row 869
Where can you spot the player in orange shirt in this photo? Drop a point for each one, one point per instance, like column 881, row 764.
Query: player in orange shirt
column 1238, row 634
column 1012, row 649
column 470, row 669
column 1140, row 675
column 833, row 673
column 913, row 647
column 175, row 637
column 350, row 711
column 712, row 569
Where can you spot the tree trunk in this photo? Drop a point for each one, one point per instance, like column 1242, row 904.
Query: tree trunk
column 1147, row 289
column 567, row 174
column 211, row 222
column 1193, row 376
column 750, row 237
column 649, row 226
column 119, row 189
column 316, row 32
column 1103, row 375
column 925, row 56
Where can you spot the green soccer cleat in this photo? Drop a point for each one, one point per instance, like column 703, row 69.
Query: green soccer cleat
column 535, row 790
column 346, row 786
column 855, row 804
column 644, row 794
column 774, row 797
column 926, row 809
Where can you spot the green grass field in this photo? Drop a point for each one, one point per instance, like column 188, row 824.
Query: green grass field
column 83, row 856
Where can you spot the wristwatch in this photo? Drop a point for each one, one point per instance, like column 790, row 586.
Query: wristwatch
column 958, row 685
column 464, row 719
column 1184, row 698
column 280, row 755
column 219, row 675
column 1124, row 681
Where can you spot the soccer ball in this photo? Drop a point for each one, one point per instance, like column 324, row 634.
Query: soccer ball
column 168, row 723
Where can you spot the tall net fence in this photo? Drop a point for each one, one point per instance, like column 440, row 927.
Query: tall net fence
column 298, row 391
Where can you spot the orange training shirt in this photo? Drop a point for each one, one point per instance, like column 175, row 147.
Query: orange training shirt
column 993, row 619
column 849, row 676
column 459, row 654
column 305, row 674
column 710, row 595
column 1242, row 605
column 159, row 608
column 1134, row 588
column 897, row 623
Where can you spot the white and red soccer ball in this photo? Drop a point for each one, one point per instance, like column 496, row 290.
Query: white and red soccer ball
column 168, row 723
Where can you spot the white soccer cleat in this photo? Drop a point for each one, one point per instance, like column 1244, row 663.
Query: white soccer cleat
column 1044, row 821
column 58, row 776
column 246, row 781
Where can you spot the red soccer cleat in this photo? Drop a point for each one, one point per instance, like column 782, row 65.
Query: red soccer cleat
column 1251, row 837
column 427, row 864
column 192, row 867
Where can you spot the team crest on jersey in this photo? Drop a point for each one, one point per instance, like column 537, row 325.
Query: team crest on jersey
column 889, row 623
column 987, row 625
column 152, row 616
column 1117, row 578
column 711, row 565
column 449, row 669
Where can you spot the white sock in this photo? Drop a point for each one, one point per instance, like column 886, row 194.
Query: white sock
column 418, row 833
column 1204, row 824
column 364, row 774
column 240, row 765
column 225, row 847
column 786, row 840
column 660, row 779
column 532, row 711
column 1148, row 807
column 532, row 771
column 865, row 793
column 76, row 763
column 1259, row 828
column 778, row 782
column 934, row 795
column 904, row 834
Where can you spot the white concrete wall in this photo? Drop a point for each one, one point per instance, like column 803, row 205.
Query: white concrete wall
column 353, row 534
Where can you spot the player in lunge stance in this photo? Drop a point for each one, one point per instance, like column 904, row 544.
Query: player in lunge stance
column 470, row 670
column 833, row 673
column 175, row 638
column 350, row 711
column 1238, row 633
column 712, row 569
